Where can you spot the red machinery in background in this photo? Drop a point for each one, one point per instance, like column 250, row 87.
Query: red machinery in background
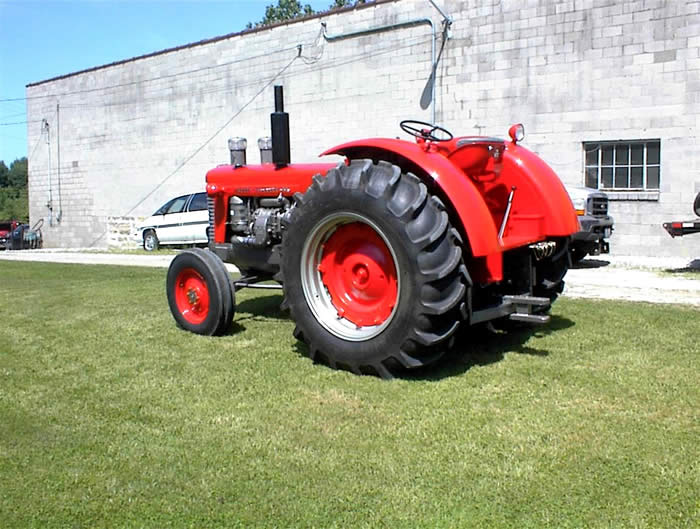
column 678, row 228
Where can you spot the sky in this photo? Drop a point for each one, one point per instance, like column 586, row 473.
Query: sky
column 42, row 39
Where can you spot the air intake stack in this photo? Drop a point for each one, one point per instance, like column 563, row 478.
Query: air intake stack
column 280, row 131
column 265, row 146
column 237, row 147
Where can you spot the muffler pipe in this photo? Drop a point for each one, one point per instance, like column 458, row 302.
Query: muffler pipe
column 280, row 131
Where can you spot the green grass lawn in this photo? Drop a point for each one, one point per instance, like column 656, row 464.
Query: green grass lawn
column 110, row 416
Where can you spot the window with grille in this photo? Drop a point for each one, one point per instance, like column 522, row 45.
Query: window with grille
column 623, row 165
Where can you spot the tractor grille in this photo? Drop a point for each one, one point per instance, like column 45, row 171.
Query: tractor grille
column 598, row 206
column 210, row 228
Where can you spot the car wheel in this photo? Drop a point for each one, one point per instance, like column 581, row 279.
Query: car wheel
column 150, row 241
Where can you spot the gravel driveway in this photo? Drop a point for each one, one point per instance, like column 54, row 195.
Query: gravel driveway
column 655, row 280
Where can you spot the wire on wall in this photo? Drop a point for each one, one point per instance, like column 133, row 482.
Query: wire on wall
column 207, row 142
column 310, row 60
column 141, row 81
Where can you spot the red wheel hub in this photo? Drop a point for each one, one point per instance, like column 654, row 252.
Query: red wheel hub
column 192, row 296
column 359, row 272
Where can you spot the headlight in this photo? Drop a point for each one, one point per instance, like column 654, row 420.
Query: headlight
column 516, row 133
column 579, row 205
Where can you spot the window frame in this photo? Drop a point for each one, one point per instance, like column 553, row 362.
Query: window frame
column 628, row 165
column 196, row 196
column 168, row 208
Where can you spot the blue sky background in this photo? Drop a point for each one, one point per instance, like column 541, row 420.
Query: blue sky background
column 41, row 39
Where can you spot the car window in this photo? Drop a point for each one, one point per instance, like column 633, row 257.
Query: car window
column 161, row 210
column 177, row 205
column 198, row 202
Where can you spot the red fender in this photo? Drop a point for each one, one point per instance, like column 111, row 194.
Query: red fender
column 478, row 191
column 539, row 193
column 474, row 215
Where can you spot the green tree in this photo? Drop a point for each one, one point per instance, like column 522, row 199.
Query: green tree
column 4, row 171
column 291, row 9
column 284, row 10
column 345, row 3
column 17, row 176
column 14, row 204
column 13, row 190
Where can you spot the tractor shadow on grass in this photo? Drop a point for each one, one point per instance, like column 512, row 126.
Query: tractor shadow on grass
column 259, row 308
column 256, row 309
column 235, row 328
column 474, row 346
column 693, row 267
column 590, row 263
column 483, row 346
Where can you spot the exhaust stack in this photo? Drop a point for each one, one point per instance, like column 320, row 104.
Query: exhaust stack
column 280, row 131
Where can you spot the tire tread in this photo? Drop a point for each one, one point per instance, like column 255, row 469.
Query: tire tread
column 442, row 282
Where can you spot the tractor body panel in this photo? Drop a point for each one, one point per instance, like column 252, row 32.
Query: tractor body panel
column 477, row 178
column 458, row 192
column 264, row 180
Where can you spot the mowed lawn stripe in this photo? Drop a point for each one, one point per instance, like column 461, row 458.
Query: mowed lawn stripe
column 113, row 417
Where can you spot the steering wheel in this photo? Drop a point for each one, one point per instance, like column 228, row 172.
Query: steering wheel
column 410, row 126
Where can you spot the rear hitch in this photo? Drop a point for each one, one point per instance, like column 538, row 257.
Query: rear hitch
column 518, row 308
column 523, row 306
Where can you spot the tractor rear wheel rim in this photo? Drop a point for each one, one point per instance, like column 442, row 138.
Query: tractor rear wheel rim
column 192, row 296
column 350, row 276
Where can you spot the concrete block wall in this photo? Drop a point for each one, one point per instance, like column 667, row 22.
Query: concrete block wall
column 587, row 71
column 134, row 134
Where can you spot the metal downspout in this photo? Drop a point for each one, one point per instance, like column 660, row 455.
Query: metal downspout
column 58, row 162
column 391, row 27
column 49, row 204
column 445, row 17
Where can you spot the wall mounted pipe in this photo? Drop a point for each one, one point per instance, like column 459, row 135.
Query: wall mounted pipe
column 58, row 162
column 49, row 204
column 445, row 17
column 391, row 27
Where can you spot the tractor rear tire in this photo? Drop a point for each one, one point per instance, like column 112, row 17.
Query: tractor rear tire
column 577, row 254
column 199, row 292
column 372, row 270
column 550, row 273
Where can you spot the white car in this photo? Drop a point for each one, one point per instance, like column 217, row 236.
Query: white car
column 182, row 220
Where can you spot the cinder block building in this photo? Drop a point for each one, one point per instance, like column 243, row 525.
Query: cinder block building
column 608, row 91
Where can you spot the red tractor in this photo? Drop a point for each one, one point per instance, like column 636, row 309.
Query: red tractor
column 383, row 256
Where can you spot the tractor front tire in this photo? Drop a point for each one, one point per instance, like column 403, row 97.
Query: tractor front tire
column 199, row 291
column 372, row 270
